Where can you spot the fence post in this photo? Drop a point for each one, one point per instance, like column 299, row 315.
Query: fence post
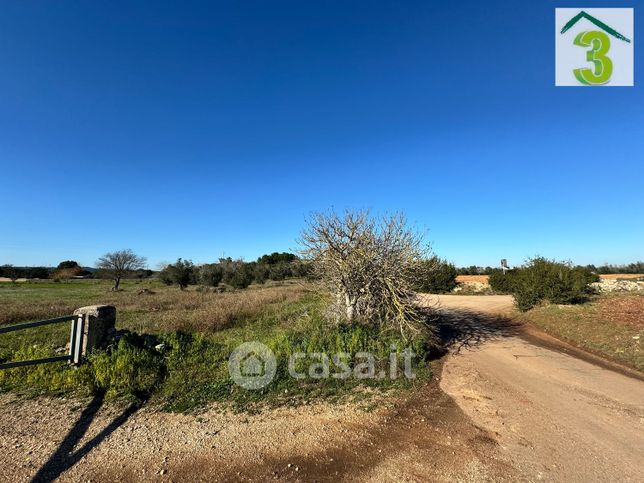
column 98, row 320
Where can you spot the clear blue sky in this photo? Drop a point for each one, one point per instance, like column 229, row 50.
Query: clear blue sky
column 194, row 129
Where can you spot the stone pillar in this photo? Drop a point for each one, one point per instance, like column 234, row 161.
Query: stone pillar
column 99, row 319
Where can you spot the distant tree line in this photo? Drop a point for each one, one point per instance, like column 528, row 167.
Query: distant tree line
column 65, row 269
column 234, row 273
column 637, row 267
column 69, row 269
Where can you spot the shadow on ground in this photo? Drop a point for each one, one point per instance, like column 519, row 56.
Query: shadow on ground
column 65, row 456
column 465, row 329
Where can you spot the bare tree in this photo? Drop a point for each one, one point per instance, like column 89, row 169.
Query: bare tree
column 368, row 264
column 119, row 264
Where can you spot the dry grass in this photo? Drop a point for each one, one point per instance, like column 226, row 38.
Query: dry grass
column 612, row 326
column 160, row 309
column 212, row 311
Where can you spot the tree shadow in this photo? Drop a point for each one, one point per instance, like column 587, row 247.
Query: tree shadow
column 466, row 329
column 65, row 457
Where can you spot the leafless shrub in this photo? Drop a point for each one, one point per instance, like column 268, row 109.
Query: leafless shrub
column 368, row 263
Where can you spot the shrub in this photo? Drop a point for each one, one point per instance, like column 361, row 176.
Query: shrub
column 367, row 262
column 67, row 273
column 236, row 273
column 501, row 282
column 181, row 273
column 210, row 274
column 547, row 280
column 435, row 276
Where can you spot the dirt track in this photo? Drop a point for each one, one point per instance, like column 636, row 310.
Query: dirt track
column 557, row 417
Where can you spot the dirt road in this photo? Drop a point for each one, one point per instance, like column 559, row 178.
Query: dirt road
column 556, row 417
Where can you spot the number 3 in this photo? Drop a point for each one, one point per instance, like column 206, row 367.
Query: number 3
column 597, row 54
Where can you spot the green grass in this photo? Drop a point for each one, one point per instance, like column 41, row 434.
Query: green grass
column 192, row 370
column 611, row 325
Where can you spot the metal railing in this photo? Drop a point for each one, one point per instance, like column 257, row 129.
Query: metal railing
column 75, row 340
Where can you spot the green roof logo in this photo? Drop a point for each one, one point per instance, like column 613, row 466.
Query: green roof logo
column 598, row 23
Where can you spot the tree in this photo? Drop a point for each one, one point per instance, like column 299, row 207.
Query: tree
column 276, row 257
column 211, row 274
column 119, row 264
column 368, row 264
column 181, row 273
column 435, row 276
column 11, row 272
column 67, row 264
column 236, row 273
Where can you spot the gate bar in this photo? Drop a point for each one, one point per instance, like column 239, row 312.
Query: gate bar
column 29, row 325
column 10, row 365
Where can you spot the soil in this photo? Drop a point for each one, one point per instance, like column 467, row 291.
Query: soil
column 422, row 437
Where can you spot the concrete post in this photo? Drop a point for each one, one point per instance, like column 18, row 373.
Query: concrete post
column 99, row 319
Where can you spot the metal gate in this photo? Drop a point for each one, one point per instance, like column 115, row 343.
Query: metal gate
column 75, row 340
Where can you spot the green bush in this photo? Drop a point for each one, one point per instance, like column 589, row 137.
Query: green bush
column 181, row 273
column 501, row 282
column 547, row 280
column 435, row 276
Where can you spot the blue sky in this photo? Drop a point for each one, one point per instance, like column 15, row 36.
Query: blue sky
column 196, row 129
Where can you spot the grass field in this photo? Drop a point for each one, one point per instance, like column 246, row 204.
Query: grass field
column 199, row 329
column 611, row 326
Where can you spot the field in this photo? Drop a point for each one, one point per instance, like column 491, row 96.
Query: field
column 198, row 329
column 611, row 326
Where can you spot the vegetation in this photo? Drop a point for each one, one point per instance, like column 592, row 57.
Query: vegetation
column 236, row 274
column 120, row 264
column 435, row 275
column 500, row 281
column 182, row 361
column 632, row 268
column 543, row 280
column 369, row 266
column 612, row 326
column 475, row 270
column 628, row 268
column 10, row 272
column 182, row 273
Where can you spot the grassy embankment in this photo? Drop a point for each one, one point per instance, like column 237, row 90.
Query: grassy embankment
column 610, row 325
column 199, row 329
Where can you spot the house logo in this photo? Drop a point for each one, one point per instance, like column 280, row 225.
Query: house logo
column 252, row 365
column 594, row 47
